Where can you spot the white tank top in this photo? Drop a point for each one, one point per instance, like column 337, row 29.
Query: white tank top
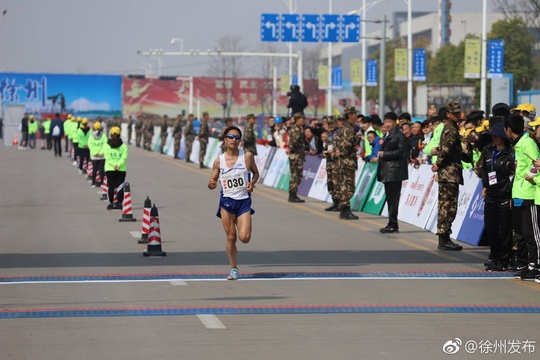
column 234, row 180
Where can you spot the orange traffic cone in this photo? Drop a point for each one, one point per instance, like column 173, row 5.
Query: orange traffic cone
column 154, row 235
column 145, row 221
column 98, row 177
column 15, row 140
column 105, row 187
column 127, row 210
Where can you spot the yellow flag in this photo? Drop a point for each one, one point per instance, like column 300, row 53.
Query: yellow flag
column 284, row 84
column 473, row 58
column 400, row 65
column 323, row 77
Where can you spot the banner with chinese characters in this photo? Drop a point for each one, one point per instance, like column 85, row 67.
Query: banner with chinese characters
column 81, row 95
column 419, row 65
column 473, row 58
column 371, row 72
column 495, row 59
column 356, row 72
column 323, row 77
column 400, row 65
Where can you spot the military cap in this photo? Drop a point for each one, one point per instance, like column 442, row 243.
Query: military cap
column 349, row 110
column 453, row 107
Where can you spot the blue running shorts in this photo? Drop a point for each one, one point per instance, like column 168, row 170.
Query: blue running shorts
column 236, row 207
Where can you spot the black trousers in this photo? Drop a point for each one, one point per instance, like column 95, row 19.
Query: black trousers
column 498, row 228
column 114, row 180
column 57, row 146
column 84, row 154
column 48, row 140
column 393, row 192
column 99, row 165
column 531, row 232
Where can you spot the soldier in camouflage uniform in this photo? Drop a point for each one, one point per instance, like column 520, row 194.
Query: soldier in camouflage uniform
column 164, row 131
column 330, row 166
column 139, row 130
column 190, row 136
column 297, row 156
column 449, row 175
column 177, row 134
column 346, row 164
column 221, row 136
column 130, row 128
column 204, row 133
column 148, row 131
column 249, row 138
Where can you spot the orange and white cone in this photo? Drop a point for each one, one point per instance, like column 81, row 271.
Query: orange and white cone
column 145, row 221
column 105, row 187
column 154, row 235
column 84, row 165
column 98, row 177
column 90, row 170
column 127, row 210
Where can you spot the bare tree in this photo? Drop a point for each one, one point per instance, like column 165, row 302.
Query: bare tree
column 529, row 10
column 228, row 69
column 310, row 87
column 265, row 67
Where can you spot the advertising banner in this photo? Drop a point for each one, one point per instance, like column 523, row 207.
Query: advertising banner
column 466, row 195
column 279, row 161
column 311, row 166
column 473, row 225
column 473, row 58
column 318, row 188
column 263, row 168
column 400, row 64
column 363, row 185
column 417, row 198
column 88, row 96
column 375, row 200
column 356, row 72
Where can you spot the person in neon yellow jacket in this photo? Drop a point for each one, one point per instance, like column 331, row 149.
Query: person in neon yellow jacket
column 32, row 131
column 82, row 135
column 431, row 149
column 96, row 142
column 116, row 154
column 47, row 130
column 74, row 140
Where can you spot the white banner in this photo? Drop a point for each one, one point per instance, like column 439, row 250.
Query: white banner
column 276, row 168
column 319, row 189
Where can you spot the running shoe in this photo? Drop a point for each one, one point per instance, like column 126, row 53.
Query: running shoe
column 233, row 275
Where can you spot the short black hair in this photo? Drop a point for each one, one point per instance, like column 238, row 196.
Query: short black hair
column 405, row 116
column 231, row 128
column 391, row 116
column 515, row 123
column 376, row 120
column 367, row 119
column 372, row 132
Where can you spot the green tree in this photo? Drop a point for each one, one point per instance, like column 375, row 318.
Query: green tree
column 519, row 44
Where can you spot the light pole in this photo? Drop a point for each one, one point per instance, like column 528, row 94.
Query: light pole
column 179, row 40
column 409, row 59
column 483, row 84
column 292, row 9
column 363, row 11
column 329, row 90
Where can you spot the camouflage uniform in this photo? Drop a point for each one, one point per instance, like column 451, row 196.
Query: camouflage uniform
column 130, row 128
column 148, row 129
column 330, row 169
column 164, row 129
column 449, row 176
column 203, row 140
column 297, row 156
column 190, row 136
column 221, row 137
column 138, row 131
column 177, row 134
column 250, row 139
column 345, row 164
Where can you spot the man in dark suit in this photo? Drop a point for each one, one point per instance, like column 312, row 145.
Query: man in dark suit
column 392, row 168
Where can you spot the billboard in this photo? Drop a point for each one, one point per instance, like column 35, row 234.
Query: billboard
column 81, row 95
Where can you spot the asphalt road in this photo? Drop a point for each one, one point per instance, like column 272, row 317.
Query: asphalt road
column 74, row 283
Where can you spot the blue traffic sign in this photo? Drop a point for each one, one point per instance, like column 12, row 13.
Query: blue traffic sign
column 495, row 60
column 419, row 65
column 350, row 28
column 270, row 27
column 310, row 28
column 371, row 72
column 330, row 28
column 290, row 27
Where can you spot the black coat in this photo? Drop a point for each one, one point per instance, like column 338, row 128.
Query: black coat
column 297, row 103
column 393, row 165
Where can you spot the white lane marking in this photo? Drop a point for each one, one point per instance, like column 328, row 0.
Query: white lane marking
column 135, row 234
column 178, row 282
column 276, row 279
column 211, row 322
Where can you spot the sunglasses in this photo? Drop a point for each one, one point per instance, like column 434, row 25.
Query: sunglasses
column 231, row 136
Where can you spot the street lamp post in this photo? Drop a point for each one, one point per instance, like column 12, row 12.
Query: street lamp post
column 178, row 40
column 409, row 59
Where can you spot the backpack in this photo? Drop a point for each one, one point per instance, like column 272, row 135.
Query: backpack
column 56, row 131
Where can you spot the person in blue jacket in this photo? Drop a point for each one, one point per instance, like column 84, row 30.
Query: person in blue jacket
column 57, row 132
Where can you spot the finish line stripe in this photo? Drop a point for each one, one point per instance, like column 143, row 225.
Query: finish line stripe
column 265, row 310
column 258, row 276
